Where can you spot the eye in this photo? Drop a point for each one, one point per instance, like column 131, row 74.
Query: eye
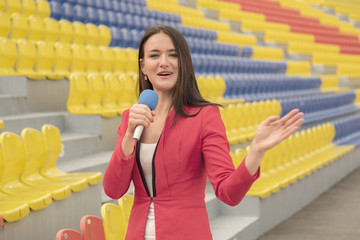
column 174, row 55
column 154, row 55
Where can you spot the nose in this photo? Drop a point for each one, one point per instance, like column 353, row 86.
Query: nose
column 164, row 62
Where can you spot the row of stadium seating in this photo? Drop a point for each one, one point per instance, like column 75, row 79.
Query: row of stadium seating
column 113, row 224
column 29, row 176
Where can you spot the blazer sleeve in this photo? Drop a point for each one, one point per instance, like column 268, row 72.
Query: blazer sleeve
column 230, row 184
column 118, row 174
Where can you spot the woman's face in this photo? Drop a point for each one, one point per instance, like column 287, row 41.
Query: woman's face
column 160, row 62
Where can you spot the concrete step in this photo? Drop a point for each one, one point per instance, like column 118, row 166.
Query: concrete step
column 12, row 104
column 16, row 123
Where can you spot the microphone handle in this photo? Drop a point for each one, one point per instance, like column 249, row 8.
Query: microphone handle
column 138, row 131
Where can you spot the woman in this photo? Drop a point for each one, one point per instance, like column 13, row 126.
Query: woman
column 183, row 143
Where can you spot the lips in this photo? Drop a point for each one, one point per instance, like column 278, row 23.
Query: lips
column 164, row 73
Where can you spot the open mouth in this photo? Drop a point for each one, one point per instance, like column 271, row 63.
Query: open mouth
column 164, row 74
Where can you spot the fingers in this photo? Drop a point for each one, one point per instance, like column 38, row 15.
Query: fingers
column 291, row 129
column 271, row 120
column 140, row 114
column 290, row 118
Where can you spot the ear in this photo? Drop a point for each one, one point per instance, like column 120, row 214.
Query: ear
column 142, row 65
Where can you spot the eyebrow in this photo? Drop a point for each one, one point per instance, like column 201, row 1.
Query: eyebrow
column 156, row 50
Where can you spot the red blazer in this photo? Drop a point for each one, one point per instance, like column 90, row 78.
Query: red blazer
column 196, row 148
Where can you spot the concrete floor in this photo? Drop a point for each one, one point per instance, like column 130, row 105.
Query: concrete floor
column 335, row 215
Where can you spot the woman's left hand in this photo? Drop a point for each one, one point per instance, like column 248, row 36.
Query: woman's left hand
column 272, row 131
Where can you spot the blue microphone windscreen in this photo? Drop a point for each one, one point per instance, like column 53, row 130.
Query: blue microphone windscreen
column 149, row 98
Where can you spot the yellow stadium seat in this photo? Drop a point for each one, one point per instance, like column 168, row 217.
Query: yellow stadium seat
column 298, row 67
column 35, row 157
column 26, row 57
column 42, row 9
column 131, row 60
column 5, row 24
column 53, row 146
column 62, row 61
column 13, row 211
column 51, row 30
column 128, row 84
column 236, row 38
column 13, row 6
column 1, row 124
column 19, row 26
column 95, row 58
column 93, row 34
column 28, row 7
column 93, row 102
column 126, row 202
column 66, row 31
column 79, row 58
column 248, row 25
column 267, row 53
column 36, row 28
column 13, row 162
column 309, row 48
column 120, row 59
column 348, row 70
column 2, row 5
column 104, row 35
column 8, row 58
column 329, row 82
column 108, row 60
column 78, row 93
column 114, row 222
column 113, row 91
column 80, row 33
column 286, row 37
column 45, row 59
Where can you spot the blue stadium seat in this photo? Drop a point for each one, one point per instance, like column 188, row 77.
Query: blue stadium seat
column 90, row 3
column 57, row 10
column 120, row 17
column 112, row 20
column 103, row 17
column 115, row 5
column 92, row 15
column 115, row 36
column 69, row 13
column 80, row 14
column 99, row 4
column 108, row 5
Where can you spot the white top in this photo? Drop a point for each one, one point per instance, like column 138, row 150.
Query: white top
column 147, row 151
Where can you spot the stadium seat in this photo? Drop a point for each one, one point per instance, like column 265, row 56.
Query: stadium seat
column 128, row 84
column 113, row 93
column 53, row 149
column 68, row 12
column 80, row 14
column 5, row 24
column 114, row 222
column 92, row 228
column 27, row 7
column 13, row 6
column 42, row 9
column 104, row 35
column 120, row 59
column 51, row 30
column 8, row 58
column 44, row 60
column 56, row 10
column 12, row 211
column 68, row 234
column 26, row 58
column 36, row 28
column 2, row 5
column 19, row 26
column 93, row 34
column 1, row 124
column 93, row 102
column 79, row 58
column 78, row 93
column 95, row 59
column 66, row 31
column 108, row 60
column 62, row 61
column 126, row 202
column 13, row 162
column 80, row 33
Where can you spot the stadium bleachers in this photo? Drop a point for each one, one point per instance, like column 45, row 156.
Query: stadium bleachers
column 68, row 70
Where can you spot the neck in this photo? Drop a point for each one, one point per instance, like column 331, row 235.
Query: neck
column 164, row 105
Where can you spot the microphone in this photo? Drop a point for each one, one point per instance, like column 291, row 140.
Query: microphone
column 150, row 99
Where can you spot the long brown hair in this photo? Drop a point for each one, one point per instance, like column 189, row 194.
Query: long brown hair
column 186, row 91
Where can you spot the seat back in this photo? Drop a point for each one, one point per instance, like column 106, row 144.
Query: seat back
column 66, row 31
column 51, row 30
column 113, row 221
column 68, row 234
column 35, row 152
column 19, row 26
column 113, row 91
column 45, row 58
column 42, row 9
column 104, row 35
column 36, row 28
column 62, row 59
column 93, row 34
column 95, row 59
column 92, row 228
column 120, row 59
column 79, row 58
column 13, row 6
column 26, row 57
column 78, row 93
column 93, row 101
column 53, row 146
column 80, row 33
column 8, row 53
column 126, row 203
column 27, row 7
column 13, row 159
column 5, row 24
column 108, row 62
